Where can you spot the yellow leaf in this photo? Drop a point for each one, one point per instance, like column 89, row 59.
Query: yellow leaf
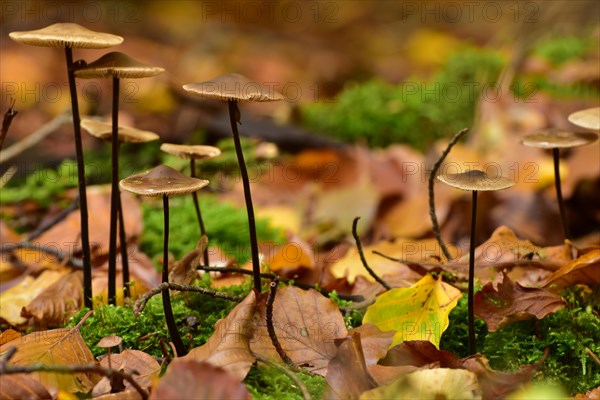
column 419, row 312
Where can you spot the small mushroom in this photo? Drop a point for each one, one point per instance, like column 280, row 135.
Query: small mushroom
column 165, row 181
column 233, row 88
column 474, row 181
column 556, row 139
column 69, row 36
column 108, row 342
column 193, row 153
column 115, row 65
column 588, row 119
column 126, row 134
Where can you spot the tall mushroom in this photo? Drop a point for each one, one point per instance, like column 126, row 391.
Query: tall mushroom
column 557, row 139
column 474, row 181
column 588, row 119
column 69, row 36
column 104, row 131
column 165, row 181
column 233, row 88
column 193, row 153
column 115, row 65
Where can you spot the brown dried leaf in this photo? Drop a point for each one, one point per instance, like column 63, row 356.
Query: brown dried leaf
column 295, row 254
column 374, row 342
column 58, row 302
column 420, row 353
column 590, row 394
column 190, row 379
column 143, row 367
column 306, row 324
column 8, row 335
column 22, row 386
column 503, row 302
column 61, row 347
column 585, row 269
column 229, row 347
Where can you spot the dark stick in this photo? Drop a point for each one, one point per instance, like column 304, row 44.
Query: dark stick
column 173, row 332
column 270, row 327
column 471, row 311
column 362, row 255
column 6, row 121
column 114, row 197
column 432, row 175
column 561, row 204
column 8, row 247
column 83, row 210
column 233, row 118
column 53, row 221
column 124, row 252
column 197, row 206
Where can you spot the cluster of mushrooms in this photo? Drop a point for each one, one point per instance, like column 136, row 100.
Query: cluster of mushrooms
column 164, row 181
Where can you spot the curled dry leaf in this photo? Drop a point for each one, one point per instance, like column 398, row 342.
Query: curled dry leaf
column 306, row 324
column 143, row 367
column 585, row 269
column 229, row 347
column 190, row 379
column 420, row 353
column 22, row 386
column 503, row 301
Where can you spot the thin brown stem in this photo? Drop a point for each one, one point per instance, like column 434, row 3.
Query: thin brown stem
column 124, row 250
column 114, row 197
column 198, row 213
column 270, row 327
column 559, row 197
column 6, row 121
column 471, row 310
column 362, row 255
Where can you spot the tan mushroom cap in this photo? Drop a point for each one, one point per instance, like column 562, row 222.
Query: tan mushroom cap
column 162, row 180
column 589, row 118
column 119, row 65
column 197, row 152
column 109, row 341
column 557, row 139
column 476, row 180
column 67, row 35
column 103, row 131
column 233, row 87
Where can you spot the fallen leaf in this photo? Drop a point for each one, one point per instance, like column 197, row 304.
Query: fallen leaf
column 306, row 324
column 22, row 386
column 420, row 353
column 419, row 312
column 590, row 394
column 374, row 342
column 190, row 379
column 503, row 302
column 585, row 269
column 142, row 366
column 294, row 254
column 8, row 335
column 229, row 347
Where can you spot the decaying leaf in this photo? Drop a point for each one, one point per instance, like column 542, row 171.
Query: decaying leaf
column 190, row 379
column 503, row 301
column 8, row 335
column 306, row 324
column 229, row 347
column 22, row 386
column 374, row 342
column 62, row 347
column 420, row 353
column 142, row 366
column 585, row 269
column 419, row 312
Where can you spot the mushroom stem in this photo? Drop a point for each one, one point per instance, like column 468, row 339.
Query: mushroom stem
column 234, row 118
column 114, row 197
column 173, row 332
column 561, row 204
column 83, row 211
column 197, row 205
column 471, row 311
column 124, row 254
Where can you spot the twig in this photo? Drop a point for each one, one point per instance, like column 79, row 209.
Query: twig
column 432, row 175
column 9, row 247
column 54, row 220
column 362, row 255
column 592, row 355
column 6, row 121
column 72, row 369
column 35, row 137
column 7, row 176
column 270, row 327
column 140, row 304
column 305, row 393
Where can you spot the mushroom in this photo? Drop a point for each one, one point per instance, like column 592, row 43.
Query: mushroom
column 69, row 36
column 165, row 181
column 556, row 139
column 233, row 88
column 588, row 119
column 103, row 131
column 115, row 65
column 475, row 181
column 193, row 153
column 108, row 342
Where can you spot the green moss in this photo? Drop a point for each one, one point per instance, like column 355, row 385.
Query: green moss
column 560, row 49
column 273, row 384
column 352, row 316
column 226, row 226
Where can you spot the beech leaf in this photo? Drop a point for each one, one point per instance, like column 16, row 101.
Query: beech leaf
column 22, row 386
column 585, row 269
column 143, row 367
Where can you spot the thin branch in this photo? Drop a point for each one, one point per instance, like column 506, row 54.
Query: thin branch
column 6, row 121
column 592, row 355
column 432, row 175
column 270, row 327
column 362, row 256
column 289, row 372
column 62, row 257
column 54, row 220
column 140, row 304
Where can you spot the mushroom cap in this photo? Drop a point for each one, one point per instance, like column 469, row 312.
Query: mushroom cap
column 197, row 152
column 558, row 138
column 233, row 87
column 109, row 341
column 162, row 180
column 119, row 65
column 66, row 35
column 588, row 118
column 476, row 180
column 103, row 131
